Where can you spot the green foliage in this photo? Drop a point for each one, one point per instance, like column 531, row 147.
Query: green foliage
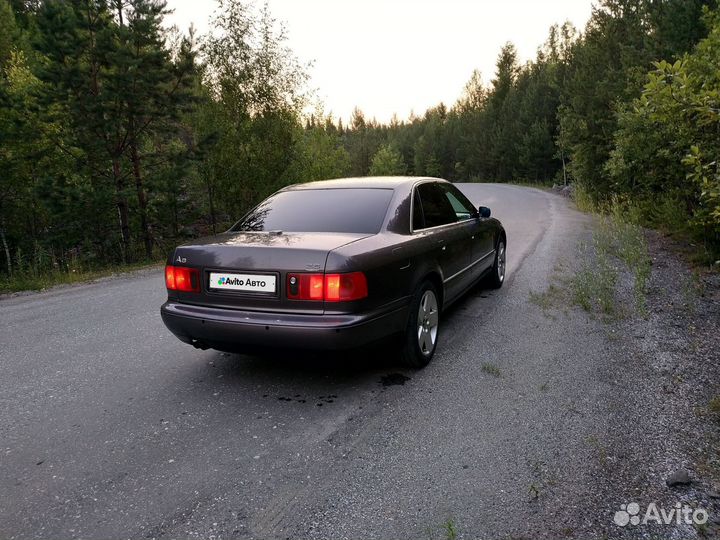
column 667, row 147
column 605, row 63
column 8, row 32
column 114, row 142
column 250, row 117
column 387, row 161
column 320, row 155
column 606, row 72
column 706, row 176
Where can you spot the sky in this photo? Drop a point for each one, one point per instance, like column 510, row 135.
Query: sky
column 401, row 56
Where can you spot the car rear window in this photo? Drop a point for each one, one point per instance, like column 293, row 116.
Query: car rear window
column 342, row 210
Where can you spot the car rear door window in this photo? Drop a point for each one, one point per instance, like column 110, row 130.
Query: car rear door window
column 436, row 207
column 418, row 221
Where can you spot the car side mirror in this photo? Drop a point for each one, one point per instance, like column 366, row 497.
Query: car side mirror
column 484, row 212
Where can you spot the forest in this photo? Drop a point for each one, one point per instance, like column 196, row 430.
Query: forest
column 120, row 137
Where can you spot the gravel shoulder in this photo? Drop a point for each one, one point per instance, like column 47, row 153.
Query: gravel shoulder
column 654, row 416
column 667, row 372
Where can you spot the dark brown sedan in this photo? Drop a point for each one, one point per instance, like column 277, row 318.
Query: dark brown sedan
column 334, row 265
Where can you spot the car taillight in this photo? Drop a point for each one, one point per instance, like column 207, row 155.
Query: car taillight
column 327, row 287
column 305, row 286
column 182, row 278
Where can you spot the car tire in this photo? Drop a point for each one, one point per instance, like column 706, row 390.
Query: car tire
column 496, row 277
column 423, row 330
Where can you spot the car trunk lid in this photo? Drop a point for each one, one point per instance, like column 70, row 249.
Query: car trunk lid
column 262, row 257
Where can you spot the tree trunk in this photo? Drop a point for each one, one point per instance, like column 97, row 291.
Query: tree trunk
column 211, row 203
column 176, row 218
column 123, row 210
column 142, row 201
column 562, row 156
column 5, row 247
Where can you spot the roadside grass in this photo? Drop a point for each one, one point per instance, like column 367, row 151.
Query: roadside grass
column 523, row 183
column 625, row 241
column 693, row 288
column 665, row 213
column 593, row 285
column 543, row 480
column 714, row 407
column 45, row 280
column 616, row 247
column 526, row 183
column 491, row 369
column 450, row 530
column 593, row 441
column 548, row 298
column 702, row 529
column 583, row 200
column 445, row 531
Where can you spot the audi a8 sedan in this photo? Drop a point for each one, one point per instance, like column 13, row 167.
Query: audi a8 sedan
column 335, row 265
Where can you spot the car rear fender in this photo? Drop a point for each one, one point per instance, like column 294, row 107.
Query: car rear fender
column 429, row 271
column 384, row 267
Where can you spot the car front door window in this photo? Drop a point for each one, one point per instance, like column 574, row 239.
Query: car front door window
column 436, row 207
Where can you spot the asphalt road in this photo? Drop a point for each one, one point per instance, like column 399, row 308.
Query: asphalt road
column 110, row 427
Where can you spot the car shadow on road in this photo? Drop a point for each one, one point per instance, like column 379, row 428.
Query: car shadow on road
column 297, row 368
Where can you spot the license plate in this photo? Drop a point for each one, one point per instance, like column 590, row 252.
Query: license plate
column 222, row 281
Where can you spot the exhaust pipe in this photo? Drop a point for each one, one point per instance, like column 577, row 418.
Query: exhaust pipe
column 199, row 344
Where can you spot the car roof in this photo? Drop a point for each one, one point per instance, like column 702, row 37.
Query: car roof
column 382, row 182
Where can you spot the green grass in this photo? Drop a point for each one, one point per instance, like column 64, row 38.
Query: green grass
column 615, row 240
column 536, row 185
column 491, row 369
column 548, row 298
column 450, row 530
column 714, row 406
column 593, row 441
column 702, row 529
column 593, row 286
column 583, row 200
column 665, row 213
column 626, row 241
column 617, row 246
column 693, row 288
column 45, row 280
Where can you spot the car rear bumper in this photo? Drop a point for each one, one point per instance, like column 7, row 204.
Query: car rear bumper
column 234, row 330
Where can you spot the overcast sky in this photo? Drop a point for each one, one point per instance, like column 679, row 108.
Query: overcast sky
column 397, row 56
